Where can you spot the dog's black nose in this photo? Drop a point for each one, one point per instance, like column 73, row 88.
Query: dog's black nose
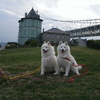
column 62, row 50
column 43, row 49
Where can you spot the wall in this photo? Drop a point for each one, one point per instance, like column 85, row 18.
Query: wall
column 55, row 37
column 29, row 28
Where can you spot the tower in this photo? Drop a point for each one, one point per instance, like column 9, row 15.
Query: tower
column 29, row 27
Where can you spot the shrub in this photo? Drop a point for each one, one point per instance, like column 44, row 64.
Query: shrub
column 32, row 43
column 89, row 43
column 95, row 44
column 11, row 45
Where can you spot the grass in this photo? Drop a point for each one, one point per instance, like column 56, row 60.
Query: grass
column 48, row 87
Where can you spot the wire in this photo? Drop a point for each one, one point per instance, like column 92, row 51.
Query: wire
column 71, row 21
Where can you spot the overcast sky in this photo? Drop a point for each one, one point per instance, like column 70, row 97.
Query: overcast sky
column 13, row 10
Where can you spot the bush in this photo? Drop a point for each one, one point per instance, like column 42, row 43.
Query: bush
column 90, row 42
column 32, row 43
column 95, row 44
column 11, row 45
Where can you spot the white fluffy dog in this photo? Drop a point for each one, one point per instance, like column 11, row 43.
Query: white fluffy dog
column 65, row 59
column 49, row 60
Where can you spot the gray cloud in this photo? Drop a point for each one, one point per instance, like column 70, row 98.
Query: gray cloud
column 8, row 27
column 12, row 10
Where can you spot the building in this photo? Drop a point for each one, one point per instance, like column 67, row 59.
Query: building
column 55, row 35
column 29, row 27
column 79, row 42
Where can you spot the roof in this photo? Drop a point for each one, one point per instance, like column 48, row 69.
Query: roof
column 33, row 14
column 54, row 30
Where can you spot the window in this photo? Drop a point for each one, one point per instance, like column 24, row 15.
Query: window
column 57, row 36
column 62, row 36
column 47, row 35
column 52, row 36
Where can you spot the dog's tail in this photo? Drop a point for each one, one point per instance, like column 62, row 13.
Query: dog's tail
column 79, row 67
column 75, row 64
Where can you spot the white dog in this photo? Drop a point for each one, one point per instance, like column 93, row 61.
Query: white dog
column 65, row 59
column 49, row 60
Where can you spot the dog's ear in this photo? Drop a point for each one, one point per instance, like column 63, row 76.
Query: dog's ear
column 60, row 42
column 44, row 42
column 66, row 42
column 48, row 43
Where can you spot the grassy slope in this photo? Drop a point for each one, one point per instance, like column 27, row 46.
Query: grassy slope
column 50, row 87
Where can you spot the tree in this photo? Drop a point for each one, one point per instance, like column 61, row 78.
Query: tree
column 32, row 43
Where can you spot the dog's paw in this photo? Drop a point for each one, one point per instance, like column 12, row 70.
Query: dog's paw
column 42, row 73
column 65, row 75
column 77, row 73
column 56, row 73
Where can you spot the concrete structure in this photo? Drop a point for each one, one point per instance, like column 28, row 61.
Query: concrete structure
column 29, row 27
column 55, row 35
column 79, row 42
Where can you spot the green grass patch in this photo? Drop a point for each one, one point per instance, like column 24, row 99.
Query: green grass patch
column 48, row 87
